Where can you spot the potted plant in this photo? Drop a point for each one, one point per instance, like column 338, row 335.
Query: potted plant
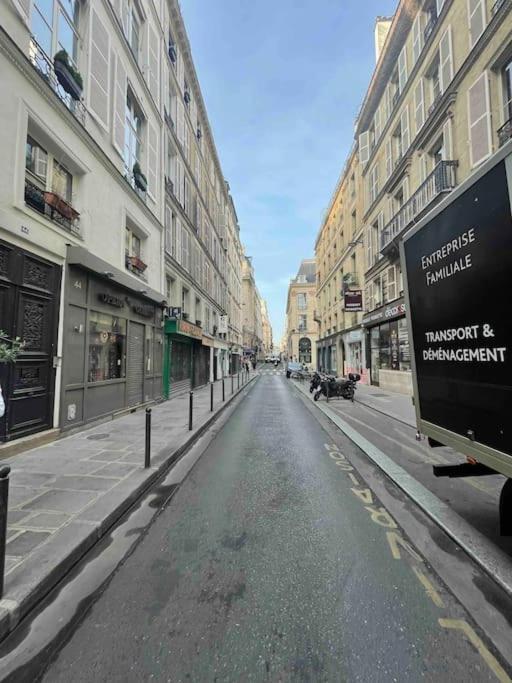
column 61, row 206
column 69, row 78
column 9, row 348
column 139, row 177
column 134, row 262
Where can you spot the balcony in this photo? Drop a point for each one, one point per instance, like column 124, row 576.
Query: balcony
column 52, row 206
column 505, row 132
column 429, row 27
column 440, row 181
column 44, row 65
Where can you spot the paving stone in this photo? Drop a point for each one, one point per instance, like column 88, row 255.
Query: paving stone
column 26, row 542
column 45, row 520
column 11, row 562
column 108, row 456
column 35, row 479
column 14, row 516
column 19, row 495
column 11, row 531
column 115, row 469
column 85, row 483
column 61, row 501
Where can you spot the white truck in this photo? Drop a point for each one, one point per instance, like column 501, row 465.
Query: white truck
column 457, row 266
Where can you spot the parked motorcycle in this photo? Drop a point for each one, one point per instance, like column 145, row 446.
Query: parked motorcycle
column 338, row 387
column 315, row 382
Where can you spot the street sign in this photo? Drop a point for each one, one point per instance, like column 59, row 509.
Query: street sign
column 457, row 268
column 353, row 299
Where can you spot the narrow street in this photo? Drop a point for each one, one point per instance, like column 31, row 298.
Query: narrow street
column 273, row 561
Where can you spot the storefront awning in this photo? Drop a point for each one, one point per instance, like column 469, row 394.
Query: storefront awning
column 79, row 256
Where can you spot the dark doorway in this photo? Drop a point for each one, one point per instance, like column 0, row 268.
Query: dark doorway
column 29, row 305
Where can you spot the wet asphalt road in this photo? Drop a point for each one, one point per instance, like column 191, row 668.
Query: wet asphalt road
column 272, row 563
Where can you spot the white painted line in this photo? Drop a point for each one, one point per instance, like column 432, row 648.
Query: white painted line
column 489, row 557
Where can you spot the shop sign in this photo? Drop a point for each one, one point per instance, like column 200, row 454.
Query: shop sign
column 458, row 276
column 352, row 337
column 223, row 324
column 189, row 329
column 144, row 311
column 392, row 311
column 111, row 300
column 353, row 300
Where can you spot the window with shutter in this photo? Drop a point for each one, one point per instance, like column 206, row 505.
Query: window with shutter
column 404, row 127
column 119, row 107
column 178, row 240
column 152, row 159
column 377, row 124
column 99, row 68
column 445, row 59
column 181, row 121
column 168, row 229
column 447, row 140
column 439, row 4
column 378, row 234
column 186, row 195
column 181, row 72
column 402, row 68
column 419, row 105
column 389, row 158
column 479, row 120
column 391, row 283
column 369, row 248
column 364, row 147
column 476, row 16
column 153, row 66
column 417, row 38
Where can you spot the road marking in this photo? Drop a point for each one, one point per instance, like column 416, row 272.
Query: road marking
column 364, row 494
column 331, row 447
column 429, row 588
column 336, row 455
column 395, row 540
column 470, row 634
column 353, row 478
column 381, row 516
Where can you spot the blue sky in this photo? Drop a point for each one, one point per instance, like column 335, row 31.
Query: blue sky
column 282, row 82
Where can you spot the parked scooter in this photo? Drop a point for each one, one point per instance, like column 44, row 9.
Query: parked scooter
column 339, row 387
column 315, row 382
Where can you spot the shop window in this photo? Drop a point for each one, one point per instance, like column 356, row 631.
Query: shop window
column 107, row 347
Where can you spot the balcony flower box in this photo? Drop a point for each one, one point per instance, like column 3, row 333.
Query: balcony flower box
column 140, row 179
column 136, row 263
column 68, row 77
column 60, row 205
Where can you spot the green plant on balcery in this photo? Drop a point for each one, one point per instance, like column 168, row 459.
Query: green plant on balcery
column 9, row 348
column 63, row 57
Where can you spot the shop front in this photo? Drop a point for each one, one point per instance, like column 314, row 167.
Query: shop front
column 29, row 309
column 353, row 341
column 182, row 352
column 388, row 356
column 327, row 354
column 112, row 347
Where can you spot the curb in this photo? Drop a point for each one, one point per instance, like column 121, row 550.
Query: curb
column 494, row 562
column 12, row 611
column 383, row 412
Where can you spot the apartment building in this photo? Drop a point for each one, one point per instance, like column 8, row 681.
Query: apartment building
column 266, row 330
column 301, row 327
column 340, row 276
column 120, row 257
column 252, row 319
column 439, row 103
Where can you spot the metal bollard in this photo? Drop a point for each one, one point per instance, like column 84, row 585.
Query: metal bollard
column 232, row 379
column 4, row 497
column 190, row 409
column 223, row 391
column 147, row 454
column 211, row 397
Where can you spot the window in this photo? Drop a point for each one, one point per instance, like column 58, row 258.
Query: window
column 476, row 17
column 302, row 322
column 389, row 157
column 132, row 244
column 507, row 92
column 417, row 37
column 133, row 32
column 169, row 290
column 445, row 59
column 374, row 183
column 62, row 181
column 419, row 105
column 54, row 26
column 479, row 116
column 133, row 131
column 302, row 301
column 36, row 160
column 402, row 69
column 107, row 347
column 184, row 300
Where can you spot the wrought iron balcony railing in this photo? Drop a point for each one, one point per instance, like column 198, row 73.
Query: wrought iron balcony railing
column 505, row 132
column 441, row 180
column 429, row 27
column 45, row 67
column 497, row 6
column 52, row 206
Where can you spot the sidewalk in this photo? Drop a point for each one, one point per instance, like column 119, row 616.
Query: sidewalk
column 397, row 406
column 65, row 495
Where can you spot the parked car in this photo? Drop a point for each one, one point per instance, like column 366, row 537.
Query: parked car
column 294, row 370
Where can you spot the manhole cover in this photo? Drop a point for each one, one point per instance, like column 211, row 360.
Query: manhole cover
column 379, row 395
column 97, row 437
